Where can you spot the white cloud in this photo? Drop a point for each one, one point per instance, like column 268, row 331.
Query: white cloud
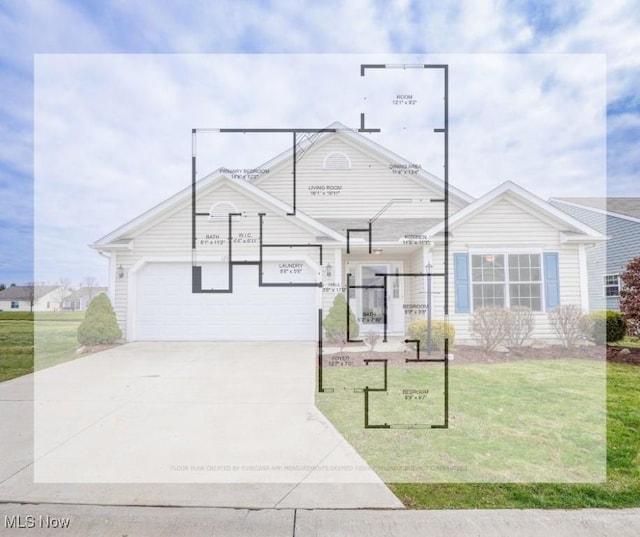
column 103, row 152
column 113, row 132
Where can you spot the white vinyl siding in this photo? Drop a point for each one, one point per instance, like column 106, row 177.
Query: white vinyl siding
column 506, row 227
column 363, row 189
column 170, row 237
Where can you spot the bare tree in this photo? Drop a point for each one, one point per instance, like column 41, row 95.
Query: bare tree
column 64, row 286
column 489, row 326
column 520, row 325
column 30, row 294
column 570, row 324
column 91, row 285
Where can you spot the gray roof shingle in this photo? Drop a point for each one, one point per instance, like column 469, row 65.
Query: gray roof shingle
column 384, row 229
column 625, row 206
column 23, row 292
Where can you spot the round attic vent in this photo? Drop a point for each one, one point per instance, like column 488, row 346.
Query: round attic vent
column 336, row 160
column 220, row 211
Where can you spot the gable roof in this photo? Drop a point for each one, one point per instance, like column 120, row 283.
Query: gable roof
column 355, row 138
column 626, row 208
column 538, row 205
column 219, row 177
column 23, row 292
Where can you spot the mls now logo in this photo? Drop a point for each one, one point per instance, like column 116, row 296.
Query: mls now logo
column 30, row 521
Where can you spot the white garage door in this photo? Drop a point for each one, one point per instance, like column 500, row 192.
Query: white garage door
column 167, row 310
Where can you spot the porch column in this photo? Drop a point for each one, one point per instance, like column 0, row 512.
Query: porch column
column 337, row 256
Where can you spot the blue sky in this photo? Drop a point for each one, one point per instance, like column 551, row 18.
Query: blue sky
column 29, row 27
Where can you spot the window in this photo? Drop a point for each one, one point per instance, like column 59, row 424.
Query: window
column 612, row 285
column 336, row 160
column 507, row 280
column 219, row 212
column 396, row 284
column 15, row 305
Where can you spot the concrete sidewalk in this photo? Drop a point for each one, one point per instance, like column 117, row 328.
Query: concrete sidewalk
column 98, row 521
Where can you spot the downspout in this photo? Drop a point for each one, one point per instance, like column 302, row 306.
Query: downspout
column 111, row 284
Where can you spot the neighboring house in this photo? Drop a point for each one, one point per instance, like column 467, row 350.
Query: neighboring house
column 506, row 248
column 619, row 219
column 78, row 300
column 19, row 297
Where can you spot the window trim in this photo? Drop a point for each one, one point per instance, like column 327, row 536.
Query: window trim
column 507, row 282
column 605, row 285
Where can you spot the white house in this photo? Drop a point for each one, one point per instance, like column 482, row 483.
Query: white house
column 379, row 220
column 20, row 298
column 79, row 299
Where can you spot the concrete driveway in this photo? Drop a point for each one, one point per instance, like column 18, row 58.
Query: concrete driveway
column 200, row 424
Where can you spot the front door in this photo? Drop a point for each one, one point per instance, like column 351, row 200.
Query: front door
column 371, row 298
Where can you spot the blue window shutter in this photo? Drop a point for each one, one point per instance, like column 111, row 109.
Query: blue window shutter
column 461, row 279
column 551, row 280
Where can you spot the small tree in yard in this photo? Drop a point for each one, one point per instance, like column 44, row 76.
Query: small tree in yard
column 570, row 324
column 99, row 325
column 630, row 296
column 490, row 326
column 335, row 323
column 371, row 338
column 520, row 325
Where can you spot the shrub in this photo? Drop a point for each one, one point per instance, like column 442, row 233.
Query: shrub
column 489, row 326
column 335, row 323
column 371, row 338
column 570, row 324
column 630, row 296
column 520, row 325
column 439, row 330
column 99, row 325
column 608, row 326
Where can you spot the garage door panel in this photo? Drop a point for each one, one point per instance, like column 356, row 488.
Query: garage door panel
column 166, row 309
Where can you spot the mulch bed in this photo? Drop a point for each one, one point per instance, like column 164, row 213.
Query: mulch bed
column 614, row 355
column 472, row 355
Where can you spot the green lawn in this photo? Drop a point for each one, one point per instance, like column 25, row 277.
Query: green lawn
column 551, row 432
column 524, row 421
column 16, row 348
column 628, row 341
column 621, row 489
column 54, row 335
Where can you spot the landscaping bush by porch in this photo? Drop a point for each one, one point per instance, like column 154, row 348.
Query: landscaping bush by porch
column 335, row 323
column 99, row 325
column 439, row 330
column 608, row 326
column 570, row 324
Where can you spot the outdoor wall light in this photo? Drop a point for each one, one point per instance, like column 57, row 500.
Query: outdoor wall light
column 328, row 270
column 377, row 251
column 120, row 272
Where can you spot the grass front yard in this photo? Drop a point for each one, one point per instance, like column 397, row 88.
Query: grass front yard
column 53, row 334
column 524, row 421
column 525, row 434
column 621, row 489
